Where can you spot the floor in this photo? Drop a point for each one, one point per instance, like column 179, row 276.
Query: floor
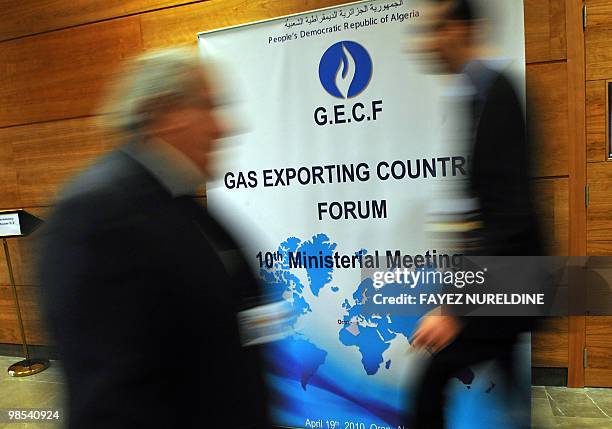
column 44, row 390
column 552, row 407
column 563, row 408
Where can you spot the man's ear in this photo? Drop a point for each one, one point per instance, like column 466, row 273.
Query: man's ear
column 166, row 122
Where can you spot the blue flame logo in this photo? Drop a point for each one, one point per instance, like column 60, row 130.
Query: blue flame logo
column 345, row 69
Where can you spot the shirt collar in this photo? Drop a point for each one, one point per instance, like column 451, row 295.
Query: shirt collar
column 479, row 74
column 175, row 171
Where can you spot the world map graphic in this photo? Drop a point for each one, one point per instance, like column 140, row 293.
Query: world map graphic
column 362, row 327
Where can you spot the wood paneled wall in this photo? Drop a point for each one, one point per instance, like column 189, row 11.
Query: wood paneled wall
column 547, row 89
column 598, row 54
column 598, row 41
column 56, row 57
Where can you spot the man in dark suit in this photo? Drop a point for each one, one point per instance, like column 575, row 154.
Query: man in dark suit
column 499, row 180
column 139, row 295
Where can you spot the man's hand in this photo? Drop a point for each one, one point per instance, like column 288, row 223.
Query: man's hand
column 435, row 331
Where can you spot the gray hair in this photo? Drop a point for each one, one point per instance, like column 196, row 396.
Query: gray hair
column 152, row 83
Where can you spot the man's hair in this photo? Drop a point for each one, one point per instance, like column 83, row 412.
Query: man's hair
column 462, row 10
column 152, row 83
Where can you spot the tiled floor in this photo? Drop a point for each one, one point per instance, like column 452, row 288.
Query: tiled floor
column 560, row 407
column 44, row 390
column 552, row 407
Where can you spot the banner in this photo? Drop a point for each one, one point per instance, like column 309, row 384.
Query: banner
column 344, row 141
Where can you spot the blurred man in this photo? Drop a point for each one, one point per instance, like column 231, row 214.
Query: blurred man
column 139, row 297
column 499, row 180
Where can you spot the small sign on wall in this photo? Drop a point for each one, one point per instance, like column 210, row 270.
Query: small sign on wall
column 9, row 224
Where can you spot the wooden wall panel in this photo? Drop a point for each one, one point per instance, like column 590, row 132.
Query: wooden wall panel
column 9, row 326
column 22, row 261
column 576, row 67
column 552, row 204
column 47, row 155
column 547, row 84
column 596, row 108
column 180, row 25
column 9, row 194
column 599, row 14
column 545, row 30
column 595, row 377
column 599, row 213
column 599, row 332
column 550, row 344
column 599, row 348
column 62, row 74
column 36, row 16
column 598, row 42
column 599, row 248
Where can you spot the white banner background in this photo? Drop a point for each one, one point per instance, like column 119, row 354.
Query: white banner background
column 276, row 90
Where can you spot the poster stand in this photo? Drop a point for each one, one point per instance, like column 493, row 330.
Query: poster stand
column 19, row 223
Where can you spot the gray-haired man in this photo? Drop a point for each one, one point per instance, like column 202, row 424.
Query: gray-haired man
column 141, row 304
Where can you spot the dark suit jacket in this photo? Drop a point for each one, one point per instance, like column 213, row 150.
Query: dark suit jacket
column 499, row 178
column 500, row 169
column 143, row 309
